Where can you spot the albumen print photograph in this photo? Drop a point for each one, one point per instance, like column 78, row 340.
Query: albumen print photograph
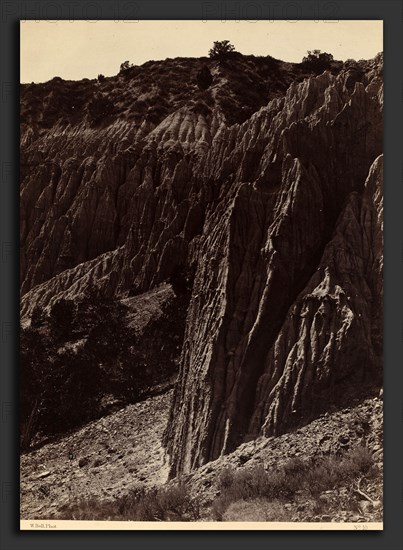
column 201, row 275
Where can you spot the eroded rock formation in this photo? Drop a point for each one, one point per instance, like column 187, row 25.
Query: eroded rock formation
column 279, row 219
column 286, row 306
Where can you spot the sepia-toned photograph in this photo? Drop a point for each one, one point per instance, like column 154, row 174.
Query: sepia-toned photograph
column 201, row 275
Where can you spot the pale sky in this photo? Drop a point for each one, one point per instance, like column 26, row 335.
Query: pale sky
column 81, row 49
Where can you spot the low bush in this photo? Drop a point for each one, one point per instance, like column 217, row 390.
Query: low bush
column 204, row 78
column 89, row 510
column 317, row 61
column 282, row 484
column 248, row 494
column 169, row 503
column 257, row 510
column 100, row 107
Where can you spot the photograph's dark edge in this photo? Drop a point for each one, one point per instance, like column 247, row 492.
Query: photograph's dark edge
column 201, row 248
column 171, row 297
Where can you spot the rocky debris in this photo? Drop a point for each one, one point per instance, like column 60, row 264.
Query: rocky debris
column 43, row 474
column 123, row 451
column 84, row 461
column 361, row 425
column 101, row 460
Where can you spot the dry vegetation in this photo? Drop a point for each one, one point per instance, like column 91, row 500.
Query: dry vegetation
column 250, row 494
column 241, row 85
column 270, row 490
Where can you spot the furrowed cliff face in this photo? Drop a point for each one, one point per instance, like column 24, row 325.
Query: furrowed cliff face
column 115, row 166
column 278, row 217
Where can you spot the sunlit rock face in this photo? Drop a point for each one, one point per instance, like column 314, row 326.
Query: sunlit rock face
column 277, row 218
column 287, row 301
